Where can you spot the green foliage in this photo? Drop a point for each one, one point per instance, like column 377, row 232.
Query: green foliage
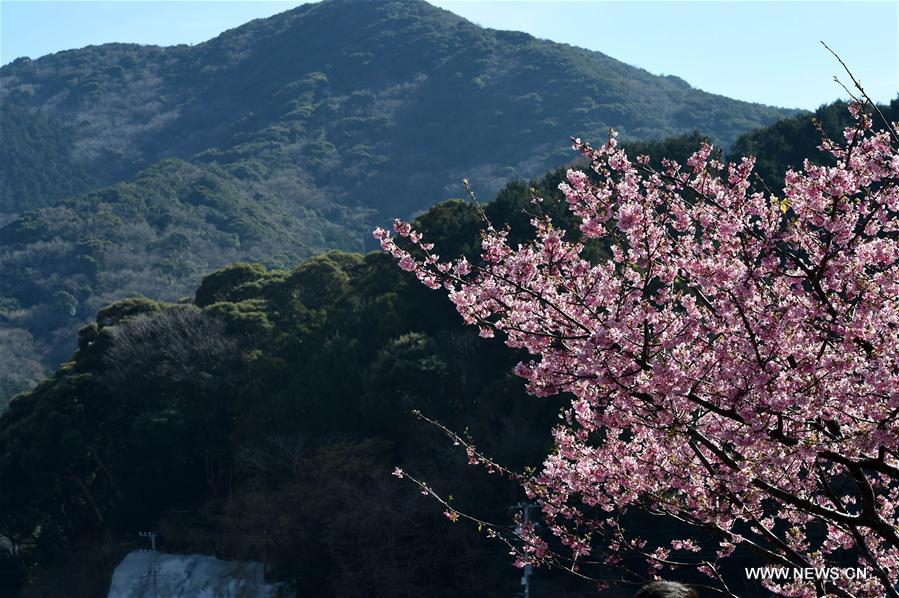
column 323, row 280
column 140, row 169
column 411, row 90
column 219, row 285
column 248, row 317
column 154, row 236
column 128, row 308
column 788, row 142
column 674, row 148
column 283, row 404
column 453, row 226
column 36, row 163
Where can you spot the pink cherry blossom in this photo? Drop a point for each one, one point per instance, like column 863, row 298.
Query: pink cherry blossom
column 734, row 364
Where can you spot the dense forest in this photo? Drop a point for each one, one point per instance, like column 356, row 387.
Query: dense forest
column 412, row 99
column 264, row 414
column 159, row 233
column 278, row 400
column 134, row 170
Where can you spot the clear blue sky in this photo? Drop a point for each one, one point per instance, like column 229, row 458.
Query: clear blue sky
column 763, row 51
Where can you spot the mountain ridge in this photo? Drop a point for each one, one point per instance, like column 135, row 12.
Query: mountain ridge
column 178, row 101
column 287, row 136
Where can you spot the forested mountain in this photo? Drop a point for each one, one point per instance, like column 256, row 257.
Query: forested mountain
column 381, row 103
column 264, row 414
column 273, row 400
column 136, row 170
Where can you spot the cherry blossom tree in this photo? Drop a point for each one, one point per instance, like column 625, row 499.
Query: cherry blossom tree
column 733, row 365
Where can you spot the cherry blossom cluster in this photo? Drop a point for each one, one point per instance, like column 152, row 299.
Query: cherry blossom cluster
column 733, row 365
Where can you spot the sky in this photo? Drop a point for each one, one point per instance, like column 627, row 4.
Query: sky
column 765, row 51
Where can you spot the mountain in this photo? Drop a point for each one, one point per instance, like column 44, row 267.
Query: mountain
column 408, row 96
column 135, row 169
column 261, row 417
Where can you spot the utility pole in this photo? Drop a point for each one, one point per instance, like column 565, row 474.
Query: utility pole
column 152, row 537
column 525, row 508
column 260, row 570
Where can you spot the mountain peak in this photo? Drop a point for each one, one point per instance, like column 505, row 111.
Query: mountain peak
column 284, row 137
column 350, row 15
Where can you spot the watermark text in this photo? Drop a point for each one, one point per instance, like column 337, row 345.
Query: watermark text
column 806, row 573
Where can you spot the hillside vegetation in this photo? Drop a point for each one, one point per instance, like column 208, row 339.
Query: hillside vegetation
column 264, row 413
column 412, row 99
column 275, row 400
column 135, row 170
column 159, row 233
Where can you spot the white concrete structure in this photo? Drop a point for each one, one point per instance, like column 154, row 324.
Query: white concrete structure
column 147, row 574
